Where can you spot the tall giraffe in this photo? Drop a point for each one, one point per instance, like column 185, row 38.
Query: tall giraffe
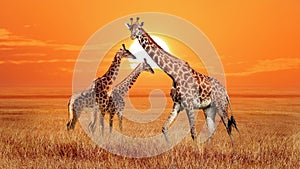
column 96, row 94
column 116, row 102
column 191, row 90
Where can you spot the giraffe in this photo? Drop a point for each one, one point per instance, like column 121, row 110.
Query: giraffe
column 80, row 102
column 96, row 94
column 190, row 90
column 116, row 102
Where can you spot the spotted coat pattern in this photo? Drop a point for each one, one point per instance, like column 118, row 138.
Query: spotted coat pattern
column 96, row 94
column 190, row 90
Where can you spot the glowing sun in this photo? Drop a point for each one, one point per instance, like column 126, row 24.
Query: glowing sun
column 136, row 49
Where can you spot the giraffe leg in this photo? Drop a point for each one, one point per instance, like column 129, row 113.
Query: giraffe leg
column 191, row 117
column 93, row 122
column 101, row 119
column 111, row 116
column 120, row 121
column 172, row 116
column 210, row 114
column 72, row 122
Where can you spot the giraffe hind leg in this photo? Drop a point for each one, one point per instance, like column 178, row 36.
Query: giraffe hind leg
column 210, row 114
column 172, row 116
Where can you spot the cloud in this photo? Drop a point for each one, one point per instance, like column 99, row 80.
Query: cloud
column 17, row 62
column 270, row 65
column 29, row 54
column 66, row 70
column 4, row 34
column 9, row 40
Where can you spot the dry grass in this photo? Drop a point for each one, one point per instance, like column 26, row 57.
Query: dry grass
column 33, row 135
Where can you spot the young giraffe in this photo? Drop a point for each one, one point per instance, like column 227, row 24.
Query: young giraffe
column 191, row 90
column 96, row 94
column 116, row 102
column 79, row 102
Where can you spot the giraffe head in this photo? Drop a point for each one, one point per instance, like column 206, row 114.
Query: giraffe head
column 135, row 28
column 125, row 53
column 147, row 67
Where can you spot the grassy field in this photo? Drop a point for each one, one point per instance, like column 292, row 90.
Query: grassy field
column 33, row 135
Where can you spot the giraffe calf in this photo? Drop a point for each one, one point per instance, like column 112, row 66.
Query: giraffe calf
column 116, row 102
column 80, row 102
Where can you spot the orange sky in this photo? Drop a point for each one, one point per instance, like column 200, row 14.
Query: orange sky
column 257, row 41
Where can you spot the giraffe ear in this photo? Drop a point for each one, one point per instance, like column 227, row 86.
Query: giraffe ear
column 127, row 25
column 142, row 24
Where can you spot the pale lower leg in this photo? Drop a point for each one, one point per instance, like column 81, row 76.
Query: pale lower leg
column 93, row 122
column 210, row 125
column 210, row 114
column 171, row 118
column 191, row 117
column 120, row 121
column 101, row 118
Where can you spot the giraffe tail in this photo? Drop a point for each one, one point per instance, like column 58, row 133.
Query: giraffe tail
column 231, row 120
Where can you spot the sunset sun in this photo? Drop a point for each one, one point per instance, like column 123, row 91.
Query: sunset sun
column 136, row 49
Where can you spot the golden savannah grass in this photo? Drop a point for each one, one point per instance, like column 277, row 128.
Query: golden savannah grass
column 33, row 135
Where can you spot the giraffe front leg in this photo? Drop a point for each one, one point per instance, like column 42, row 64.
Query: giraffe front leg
column 93, row 122
column 172, row 116
column 101, row 119
column 120, row 121
column 191, row 117
column 111, row 116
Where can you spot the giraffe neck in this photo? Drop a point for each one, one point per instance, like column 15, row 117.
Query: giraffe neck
column 123, row 87
column 162, row 58
column 113, row 70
